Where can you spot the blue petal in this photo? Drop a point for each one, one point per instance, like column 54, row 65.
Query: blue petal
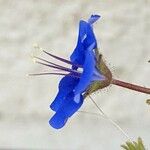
column 88, row 71
column 85, row 38
column 78, row 54
column 67, row 109
column 66, row 85
column 71, row 104
column 58, row 120
column 93, row 18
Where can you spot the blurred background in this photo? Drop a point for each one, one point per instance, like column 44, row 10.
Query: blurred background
column 123, row 35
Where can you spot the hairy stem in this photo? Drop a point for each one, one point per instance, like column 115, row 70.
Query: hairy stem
column 131, row 86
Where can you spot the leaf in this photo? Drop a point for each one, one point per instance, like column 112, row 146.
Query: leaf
column 134, row 145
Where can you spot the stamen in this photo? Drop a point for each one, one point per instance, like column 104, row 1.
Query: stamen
column 46, row 61
column 51, row 62
column 109, row 119
column 62, row 59
column 60, row 68
column 52, row 73
column 45, row 73
column 57, row 65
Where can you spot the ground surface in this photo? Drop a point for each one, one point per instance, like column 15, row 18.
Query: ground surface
column 123, row 35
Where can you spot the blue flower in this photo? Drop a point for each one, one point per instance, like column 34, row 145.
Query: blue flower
column 86, row 74
column 71, row 88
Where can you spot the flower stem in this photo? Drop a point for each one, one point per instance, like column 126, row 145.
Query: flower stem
column 131, row 86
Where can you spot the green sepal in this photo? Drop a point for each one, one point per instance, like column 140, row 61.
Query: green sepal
column 102, row 69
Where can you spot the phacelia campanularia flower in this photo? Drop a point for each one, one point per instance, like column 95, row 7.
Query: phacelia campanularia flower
column 87, row 74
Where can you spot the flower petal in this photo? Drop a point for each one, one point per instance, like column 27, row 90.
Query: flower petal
column 88, row 70
column 58, row 121
column 71, row 104
column 66, row 85
column 93, row 19
column 85, row 38
column 67, row 109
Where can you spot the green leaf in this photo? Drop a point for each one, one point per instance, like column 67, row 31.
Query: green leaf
column 134, row 145
column 125, row 147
